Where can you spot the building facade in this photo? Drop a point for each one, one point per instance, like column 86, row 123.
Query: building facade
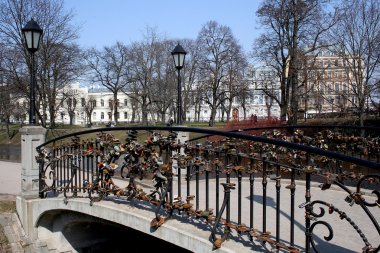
column 256, row 104
column 328, row 87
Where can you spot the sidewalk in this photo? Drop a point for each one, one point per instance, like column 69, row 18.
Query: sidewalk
column 10, row 178
column 10, row 187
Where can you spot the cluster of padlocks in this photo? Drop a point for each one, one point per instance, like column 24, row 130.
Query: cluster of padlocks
column 161, row 158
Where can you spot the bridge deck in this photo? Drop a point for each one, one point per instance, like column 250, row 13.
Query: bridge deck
column 345, row 238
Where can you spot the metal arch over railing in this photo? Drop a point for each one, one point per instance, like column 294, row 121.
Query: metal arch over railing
column 86, row 168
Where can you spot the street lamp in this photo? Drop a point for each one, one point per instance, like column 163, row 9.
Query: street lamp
column 179, row 58
column 32, row 36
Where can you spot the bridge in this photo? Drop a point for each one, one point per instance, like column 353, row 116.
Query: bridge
column 222, row 191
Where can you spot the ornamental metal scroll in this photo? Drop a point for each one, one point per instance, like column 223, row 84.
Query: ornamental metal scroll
column 69, row 169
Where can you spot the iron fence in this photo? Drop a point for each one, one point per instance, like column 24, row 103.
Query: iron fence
column 233, row 182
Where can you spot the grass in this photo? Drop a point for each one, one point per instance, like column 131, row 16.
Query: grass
column 7, row 206
column 4, row 243
column 15, row 138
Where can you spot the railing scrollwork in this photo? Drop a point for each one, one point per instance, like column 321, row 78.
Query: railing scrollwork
column 187, row 179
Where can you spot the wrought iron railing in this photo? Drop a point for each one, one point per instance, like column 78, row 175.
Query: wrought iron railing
column 200, row 178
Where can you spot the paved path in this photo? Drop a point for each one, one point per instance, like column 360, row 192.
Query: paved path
column 10, row 187
column 345, row 238
column 10, row 178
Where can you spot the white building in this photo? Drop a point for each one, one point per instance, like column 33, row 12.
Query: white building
column 257, row 103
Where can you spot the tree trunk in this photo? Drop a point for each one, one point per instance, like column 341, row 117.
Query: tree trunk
column 115, row 106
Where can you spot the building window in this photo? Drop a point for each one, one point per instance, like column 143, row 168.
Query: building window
column 83, row 102
column 344, row 88
column 261, row 100
column 109, row 115
column 101, row 102
column 117, row 115
column 125, row 114
column 251, row 97
column 322, row 88
column 102, row 115
column 125, row 102
column 329, row 88
column 336, row 88
column 336, row 74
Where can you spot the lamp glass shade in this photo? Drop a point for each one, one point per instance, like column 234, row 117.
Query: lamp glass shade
column 179, row 56
column 179, row 60
column 32, row 35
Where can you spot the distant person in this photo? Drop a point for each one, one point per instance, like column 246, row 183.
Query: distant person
column 171, row 121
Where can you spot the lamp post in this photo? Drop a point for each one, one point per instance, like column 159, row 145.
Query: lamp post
column 32, row 35
column 179, row 58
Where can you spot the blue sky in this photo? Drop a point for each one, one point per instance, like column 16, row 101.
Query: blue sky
column 104, row 22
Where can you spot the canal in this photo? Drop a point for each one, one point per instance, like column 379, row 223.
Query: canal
column 10, row 153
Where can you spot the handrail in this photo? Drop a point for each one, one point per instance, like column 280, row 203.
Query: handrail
column 281, row 143
column 295, row 127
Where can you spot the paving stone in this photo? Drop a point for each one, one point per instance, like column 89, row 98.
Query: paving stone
column 40, row 243
column 51, row 245
column 16, row 248
column 12, row 238
column 7, row 229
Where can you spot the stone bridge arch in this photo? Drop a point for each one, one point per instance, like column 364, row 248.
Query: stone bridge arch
column 51, row 220
column 69, row 230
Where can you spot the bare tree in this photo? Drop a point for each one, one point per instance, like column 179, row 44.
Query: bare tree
column 234, row 82
column 89, row 106
column 62, row 66
column 243, row 96
column 10, row 109
column 190, row 74
column 163, row 83
column 144, row 66
column 357, row 38
column 217, row 46
column 71, row 103
column 293, row 28
column 109, row 67
column 57, row 63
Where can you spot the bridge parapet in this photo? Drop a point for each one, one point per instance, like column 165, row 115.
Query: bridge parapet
column 240, row 186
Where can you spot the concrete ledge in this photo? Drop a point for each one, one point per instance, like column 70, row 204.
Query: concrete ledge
column 132, row 215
